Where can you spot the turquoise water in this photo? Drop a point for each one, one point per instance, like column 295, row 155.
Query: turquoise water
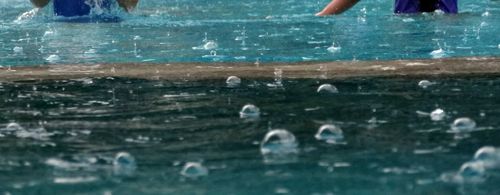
column 71, row 131
column 283, row 30
column 132, row 136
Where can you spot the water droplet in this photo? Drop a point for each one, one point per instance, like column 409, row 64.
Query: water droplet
column 18, row 49
column 330, row 134
column 279, row 142
column 488, row 155
column 210, row 45
column 137, row 38
column 53, row 58
column 327, row 88
column 194, row 170
column 233, row 81
column 472, row 172
column 463, row 125
column 437, row 115
column 438, row 53
column 334, row 48
column 250, row 111
column 425, row 83
column 124, row 164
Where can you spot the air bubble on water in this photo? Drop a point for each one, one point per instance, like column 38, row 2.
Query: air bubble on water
column 18, row 49
column 14, row 127
column 438, row 53
column 330, row 134
column 327, row 88
column 334, row 48
column 438, row 115
column 489, row 156
column 210, row 45
column 124, row 164
column 194, row 170
column 53, row 58
column 408, row 20
column 485, row 14
column 471, row 172
column 137, row 38
column 425, row 83
column 233, row 81
column 278, row 142
column 463, row 125
column 249, row 111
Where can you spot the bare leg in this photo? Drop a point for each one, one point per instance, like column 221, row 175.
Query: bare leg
column 337, row 7
column 40, row 3
column 128, row 5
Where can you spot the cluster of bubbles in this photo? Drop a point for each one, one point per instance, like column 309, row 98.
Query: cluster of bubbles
column 19, row 131
column 475, row 171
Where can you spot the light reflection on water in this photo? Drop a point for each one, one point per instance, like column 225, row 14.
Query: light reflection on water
column 70, row 131
column 173, row 30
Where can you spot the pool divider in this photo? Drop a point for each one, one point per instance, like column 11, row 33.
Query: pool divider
column 470, row 66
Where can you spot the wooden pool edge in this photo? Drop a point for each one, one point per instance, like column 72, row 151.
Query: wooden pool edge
column 448, row 67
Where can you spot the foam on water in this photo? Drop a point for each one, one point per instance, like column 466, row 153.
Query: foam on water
column 53, row 59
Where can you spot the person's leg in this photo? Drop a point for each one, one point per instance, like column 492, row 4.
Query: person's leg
column 448, row 6
column 406, row 6
column 428, row 5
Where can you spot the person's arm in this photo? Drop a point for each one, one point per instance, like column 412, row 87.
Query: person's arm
column 337, row 7
column 128, row 5
column 40, row 3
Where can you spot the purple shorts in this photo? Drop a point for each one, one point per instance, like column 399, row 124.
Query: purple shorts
column 417, row 6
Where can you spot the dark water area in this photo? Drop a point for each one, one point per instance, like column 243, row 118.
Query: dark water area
column 68, row 133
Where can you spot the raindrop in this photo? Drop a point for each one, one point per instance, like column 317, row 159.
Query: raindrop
column 233, row 81
column 249, row 111
column 330, row 134
column 210, row 45
column 280, row 142
column 463, row 125
column 124, row 164
column 194, row 170
column 327, row 88
column 437, row 115
column 53, row 58
column 425, row 83
column 18, row 49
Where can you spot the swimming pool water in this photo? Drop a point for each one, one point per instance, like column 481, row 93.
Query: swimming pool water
column 72, row 129
column 282, row 30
